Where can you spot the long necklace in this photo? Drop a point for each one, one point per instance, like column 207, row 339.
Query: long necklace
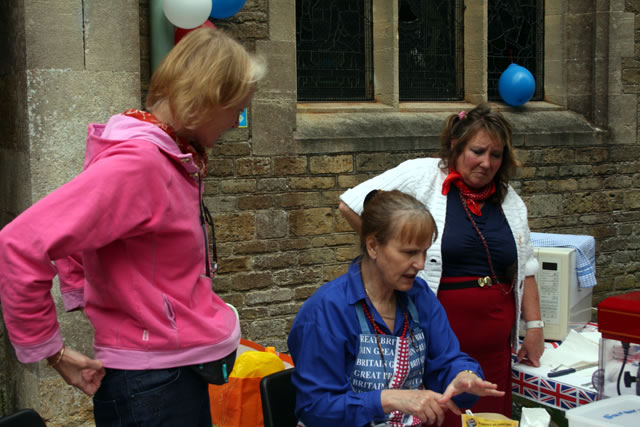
column 405, row 324
column 379, row 332
column 486, row 248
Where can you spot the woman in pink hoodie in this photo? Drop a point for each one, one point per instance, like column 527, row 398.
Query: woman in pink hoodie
column 127, row 238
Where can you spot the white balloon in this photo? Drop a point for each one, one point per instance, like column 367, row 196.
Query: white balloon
column 187, row 14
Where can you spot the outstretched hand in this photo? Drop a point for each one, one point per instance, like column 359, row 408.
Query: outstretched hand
column 80, row 371
column 467, row 382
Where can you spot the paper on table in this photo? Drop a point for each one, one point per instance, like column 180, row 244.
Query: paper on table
column 576, row 350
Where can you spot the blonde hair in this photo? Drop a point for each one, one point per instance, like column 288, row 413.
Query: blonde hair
column 205, row 71
column 463, row 126
column 394, row 214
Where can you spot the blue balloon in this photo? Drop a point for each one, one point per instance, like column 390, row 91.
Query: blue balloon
column 516, row 85
column 221, row 9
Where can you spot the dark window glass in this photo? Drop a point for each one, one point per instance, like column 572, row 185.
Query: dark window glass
column 334, row 50
column 516, row 34
column 431, row 50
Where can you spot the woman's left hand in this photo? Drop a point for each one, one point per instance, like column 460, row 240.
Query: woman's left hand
column 532, row 347
column 467, row 382
column 79, row 371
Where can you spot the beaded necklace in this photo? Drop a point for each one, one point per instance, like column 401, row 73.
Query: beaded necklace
column 405, row 324
column 378, row 331
column 486, row 248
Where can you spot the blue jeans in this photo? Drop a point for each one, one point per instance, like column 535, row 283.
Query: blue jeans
column 155, row 397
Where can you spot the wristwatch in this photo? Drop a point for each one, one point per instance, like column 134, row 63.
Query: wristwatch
column 535, row 324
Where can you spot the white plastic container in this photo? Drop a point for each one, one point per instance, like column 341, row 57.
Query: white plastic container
column 614, row 411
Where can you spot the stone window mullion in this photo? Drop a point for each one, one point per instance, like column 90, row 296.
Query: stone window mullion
column 385, row 52
column 475, row 50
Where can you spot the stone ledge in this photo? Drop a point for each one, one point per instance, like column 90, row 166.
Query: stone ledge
column 398, row 131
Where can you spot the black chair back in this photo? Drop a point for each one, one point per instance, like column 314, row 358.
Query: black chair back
column 278, row 399
column 23, row 418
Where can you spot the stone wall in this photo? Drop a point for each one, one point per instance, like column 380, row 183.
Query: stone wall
column 281, row 236
column 274, row 193
column 66, row 63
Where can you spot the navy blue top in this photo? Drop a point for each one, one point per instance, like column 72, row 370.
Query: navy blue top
column 463, row 253
column 324, row 344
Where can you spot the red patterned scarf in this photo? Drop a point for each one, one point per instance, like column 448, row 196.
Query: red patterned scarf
column 471, row 196
column 199, row 154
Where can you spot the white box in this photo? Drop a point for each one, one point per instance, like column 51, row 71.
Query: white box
column 563, row 304
column 615, row 411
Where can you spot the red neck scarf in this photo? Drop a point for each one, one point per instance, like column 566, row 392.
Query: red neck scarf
column 471, row 196
column 199, row 154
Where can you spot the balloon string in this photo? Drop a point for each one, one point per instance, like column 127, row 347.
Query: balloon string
column 511, row 55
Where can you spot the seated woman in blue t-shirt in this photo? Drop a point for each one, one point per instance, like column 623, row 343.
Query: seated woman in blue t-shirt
column 374, row 346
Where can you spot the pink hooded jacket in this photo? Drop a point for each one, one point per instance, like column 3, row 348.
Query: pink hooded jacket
column 125, row 238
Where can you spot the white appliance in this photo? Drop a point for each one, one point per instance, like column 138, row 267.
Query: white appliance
column 563, row 304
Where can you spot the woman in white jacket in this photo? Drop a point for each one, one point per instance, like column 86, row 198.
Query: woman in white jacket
column 482, row 265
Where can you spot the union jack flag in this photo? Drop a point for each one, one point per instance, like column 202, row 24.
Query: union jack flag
column 585, row 397
column 557, row 394
column 524, row 384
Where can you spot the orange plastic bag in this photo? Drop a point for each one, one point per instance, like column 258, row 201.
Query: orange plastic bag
column 238, row 403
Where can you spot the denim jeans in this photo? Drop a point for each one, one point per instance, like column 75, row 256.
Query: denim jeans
column 155, row 397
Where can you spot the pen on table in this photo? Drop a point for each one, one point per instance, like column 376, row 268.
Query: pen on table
column 567, row 371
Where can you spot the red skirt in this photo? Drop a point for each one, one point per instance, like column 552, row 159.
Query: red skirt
column 482, row 319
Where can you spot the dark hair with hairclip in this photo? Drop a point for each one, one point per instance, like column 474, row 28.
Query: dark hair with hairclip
column 458, row 131
column 389, row 214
